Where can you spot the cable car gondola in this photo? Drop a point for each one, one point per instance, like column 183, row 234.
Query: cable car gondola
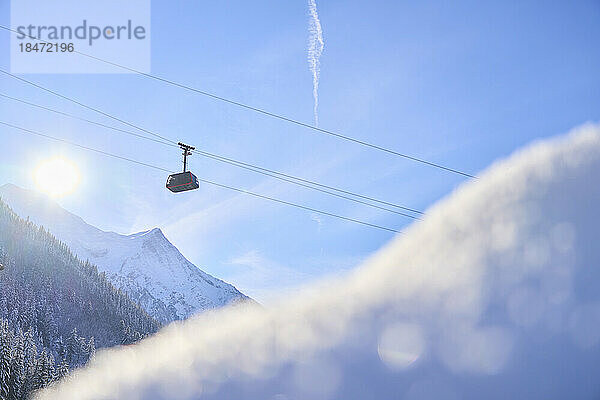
column 185, row 180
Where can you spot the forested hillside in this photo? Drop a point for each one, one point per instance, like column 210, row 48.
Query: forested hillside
column 55, row 310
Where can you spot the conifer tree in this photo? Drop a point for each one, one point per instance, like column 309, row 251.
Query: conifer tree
column 5, row 359
column 46, row 295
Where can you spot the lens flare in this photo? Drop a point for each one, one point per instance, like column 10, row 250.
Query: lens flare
column 56, row 177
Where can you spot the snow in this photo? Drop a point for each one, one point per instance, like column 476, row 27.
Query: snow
column 494, row 295
column 145, row 264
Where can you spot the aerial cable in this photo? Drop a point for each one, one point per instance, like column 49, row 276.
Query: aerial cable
column 96, row 110
column 309, row 187
column 264, row 112
column 55, row 111
column 240, row 164
column 258, row 195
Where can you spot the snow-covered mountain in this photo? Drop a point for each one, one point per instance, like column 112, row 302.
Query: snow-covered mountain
column 145, row 264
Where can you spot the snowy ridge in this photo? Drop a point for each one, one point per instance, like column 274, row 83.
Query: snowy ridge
column 146, row 265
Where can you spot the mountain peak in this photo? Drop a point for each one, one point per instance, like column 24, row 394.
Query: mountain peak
column 156, row 231
column 9, row 186
column 12, row 187
column 151, row 233
column 145, row 264
column 10, row 190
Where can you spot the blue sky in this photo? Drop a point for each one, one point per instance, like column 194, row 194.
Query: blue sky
column 459, row 83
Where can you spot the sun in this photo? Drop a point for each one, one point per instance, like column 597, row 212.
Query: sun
column 56, row 177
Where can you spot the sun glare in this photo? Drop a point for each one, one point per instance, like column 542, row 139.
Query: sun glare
column 56, row 177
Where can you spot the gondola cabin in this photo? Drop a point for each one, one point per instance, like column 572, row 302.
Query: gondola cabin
column 182, row 181
column 185, row 180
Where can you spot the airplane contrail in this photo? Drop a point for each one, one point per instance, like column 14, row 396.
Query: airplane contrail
column 315, row 49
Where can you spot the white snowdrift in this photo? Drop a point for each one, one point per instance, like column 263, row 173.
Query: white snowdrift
column 495, row 294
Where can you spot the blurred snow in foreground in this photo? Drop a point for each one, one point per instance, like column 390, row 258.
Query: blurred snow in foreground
column 495, row 294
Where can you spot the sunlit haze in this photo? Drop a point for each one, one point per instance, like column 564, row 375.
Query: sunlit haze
column 57, row 177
